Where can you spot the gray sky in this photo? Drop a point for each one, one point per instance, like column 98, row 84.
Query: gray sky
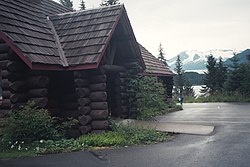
column 187, row 24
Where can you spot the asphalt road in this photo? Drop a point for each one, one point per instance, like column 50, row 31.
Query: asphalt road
column 228, row 145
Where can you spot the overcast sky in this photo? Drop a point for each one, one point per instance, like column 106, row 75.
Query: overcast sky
column 187, row 24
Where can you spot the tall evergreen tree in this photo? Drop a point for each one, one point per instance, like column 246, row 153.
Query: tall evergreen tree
column 244, row 78
column 161, row 55
column 221, row 75
column 109, row 2
column 67, row 3
column 233, row 80
column 82, row 5
column 210, row 75
column 238, row 77
column 178, row 79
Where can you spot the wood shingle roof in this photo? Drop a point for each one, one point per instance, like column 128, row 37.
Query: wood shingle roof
column 153, row 65
column 46, row 35
column 25, row 24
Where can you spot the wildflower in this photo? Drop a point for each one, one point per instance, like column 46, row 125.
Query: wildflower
column 12, row 146
column 41, row 141
column 22, row 142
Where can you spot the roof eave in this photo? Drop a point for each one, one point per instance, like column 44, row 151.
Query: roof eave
column 52, row 67
column 11, row 44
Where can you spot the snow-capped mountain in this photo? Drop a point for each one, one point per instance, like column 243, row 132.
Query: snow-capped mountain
column 196, row 60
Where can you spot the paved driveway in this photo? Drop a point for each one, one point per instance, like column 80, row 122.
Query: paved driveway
column 228, row 146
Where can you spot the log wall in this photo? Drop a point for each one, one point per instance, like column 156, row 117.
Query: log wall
column 85, row 97
column 5, row 106
column 19, row 83
column 82, row 92
column 98, row 105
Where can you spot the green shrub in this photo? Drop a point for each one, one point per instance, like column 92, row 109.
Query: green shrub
column 146, row 96
column 28, row 124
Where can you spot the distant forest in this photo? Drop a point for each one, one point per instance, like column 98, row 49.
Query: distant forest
column 194, row 78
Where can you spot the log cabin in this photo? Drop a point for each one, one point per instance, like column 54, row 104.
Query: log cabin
column 72, row 63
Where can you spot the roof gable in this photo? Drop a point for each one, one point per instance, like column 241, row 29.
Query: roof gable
column 84, row 35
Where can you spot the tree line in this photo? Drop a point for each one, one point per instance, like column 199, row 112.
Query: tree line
column 234, row 79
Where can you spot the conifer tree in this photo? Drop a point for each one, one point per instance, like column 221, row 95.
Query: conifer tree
column 220, row 75
column 161, row 55
column 109, row 2
column 67, row 3
column 244, row 78
column 210, row 76
column 179, row 78
column 82, row 5
column 233, row 81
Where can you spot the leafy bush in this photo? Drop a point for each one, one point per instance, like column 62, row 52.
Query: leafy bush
column 146, row 94
column 28, row 124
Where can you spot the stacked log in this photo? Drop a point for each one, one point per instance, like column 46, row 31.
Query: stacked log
column 37, row 89
column 83, row 101
column 4, row 60
column 12, row 84
column 121, row 95
column 98, row 105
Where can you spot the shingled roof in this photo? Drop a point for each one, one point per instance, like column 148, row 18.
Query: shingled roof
column 46, row 35
column 153, row 65
column 24, row 26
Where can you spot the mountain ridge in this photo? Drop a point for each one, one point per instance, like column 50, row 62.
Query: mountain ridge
column 195, row 60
